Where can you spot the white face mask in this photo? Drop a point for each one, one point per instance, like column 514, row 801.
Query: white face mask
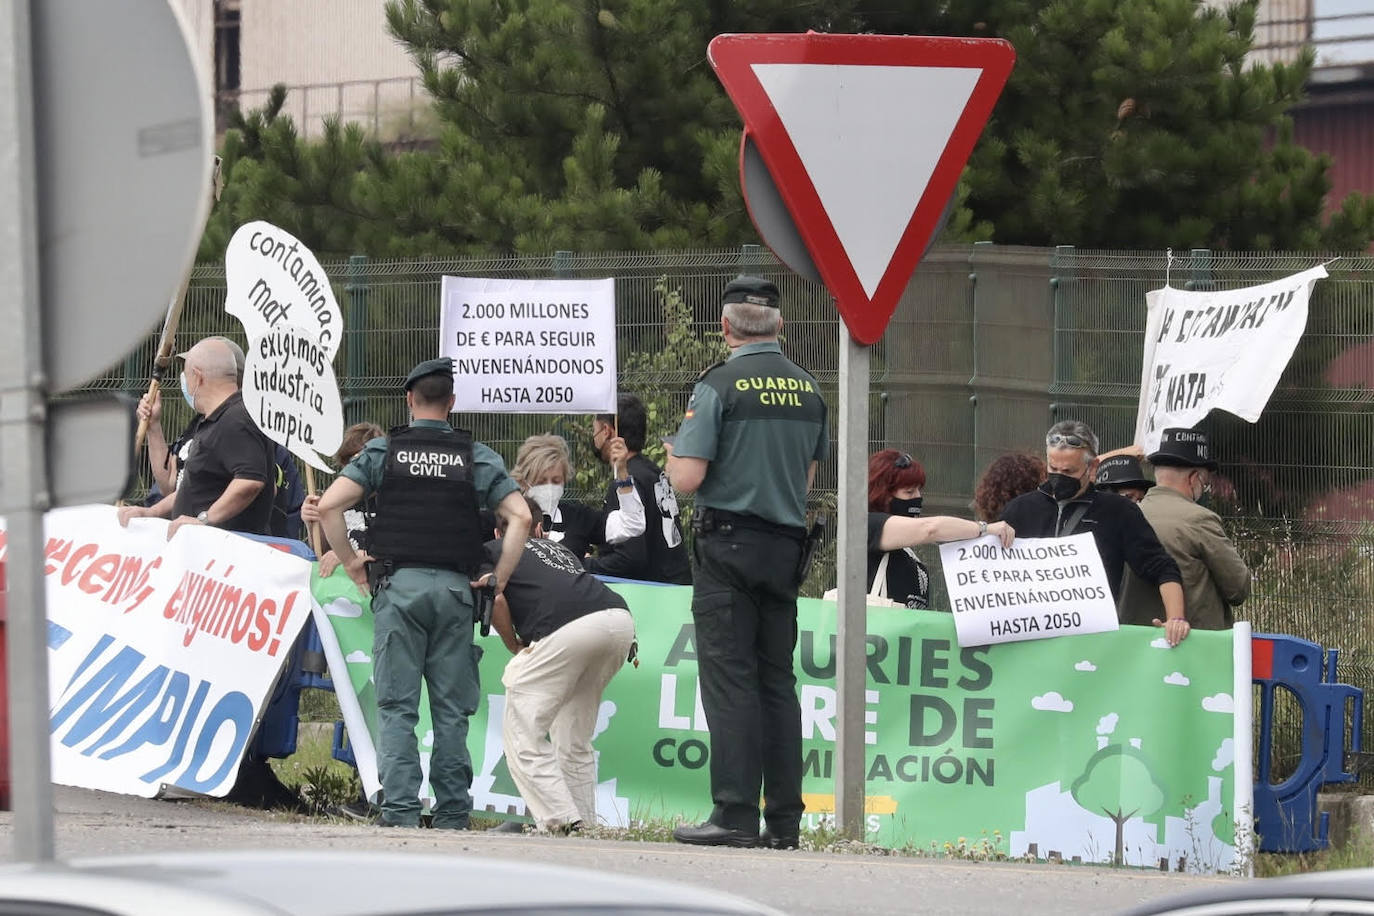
column 547, row 496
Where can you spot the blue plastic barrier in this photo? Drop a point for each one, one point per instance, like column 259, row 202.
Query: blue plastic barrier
column 1286, row 817
column 306, row 668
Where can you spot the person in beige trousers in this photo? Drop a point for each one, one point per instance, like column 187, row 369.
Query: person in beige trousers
column 568, row 634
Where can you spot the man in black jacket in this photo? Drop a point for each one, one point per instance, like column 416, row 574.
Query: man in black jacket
column 1066, row 503
column 659, row 554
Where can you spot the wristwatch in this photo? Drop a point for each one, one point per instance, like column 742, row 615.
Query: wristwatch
column 622, row 484
column 204, row 518
column 982, row 527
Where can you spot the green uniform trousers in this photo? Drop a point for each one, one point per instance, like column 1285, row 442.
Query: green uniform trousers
column 424, row 621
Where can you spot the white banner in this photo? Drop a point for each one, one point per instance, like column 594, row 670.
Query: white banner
column 1224, row 349
column 161, row 654
column 1037, row 587
column 291, row 393
column 273, row 280
column 530, row 346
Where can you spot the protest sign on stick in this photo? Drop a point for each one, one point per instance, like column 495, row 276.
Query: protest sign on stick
column 1222, row 349
column 530, row 346
column 273, row 279
column 290, row 391
column 1037, row 587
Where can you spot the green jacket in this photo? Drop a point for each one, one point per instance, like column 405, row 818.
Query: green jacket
column 1215, row 578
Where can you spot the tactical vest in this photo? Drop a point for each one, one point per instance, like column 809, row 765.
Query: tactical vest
column 426, row 507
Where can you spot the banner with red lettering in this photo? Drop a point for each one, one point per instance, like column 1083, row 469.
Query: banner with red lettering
column 161, row 653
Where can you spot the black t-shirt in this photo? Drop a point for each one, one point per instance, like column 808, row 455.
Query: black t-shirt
column 226, row 446
column 657, row 555
column 908, row 581
column 549, row 588
column 578, row 528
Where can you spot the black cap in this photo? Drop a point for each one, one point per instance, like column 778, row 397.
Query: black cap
column 754, row 290
column 1121, row 471
column 441, row 366
column 1183, row 448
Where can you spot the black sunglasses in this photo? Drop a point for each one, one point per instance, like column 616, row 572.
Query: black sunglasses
column 903, row 462
column 1070, row 440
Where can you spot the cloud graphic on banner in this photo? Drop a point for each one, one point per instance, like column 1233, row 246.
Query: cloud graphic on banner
column 1052, row 702
column 603, row 717
column 1085, row 665
column 428, row 739
column 1160, row 643
column 1220, row 702
column 342, row 607
column 1135, row 743
column 357, row 657
column 1178, row 679
column 272, row 280
column 1107, row 724
column 1226, row 755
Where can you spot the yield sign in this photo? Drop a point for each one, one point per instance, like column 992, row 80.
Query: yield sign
column 865, row 137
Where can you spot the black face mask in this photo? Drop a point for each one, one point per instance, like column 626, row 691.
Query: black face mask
column 909, row 508
column 1061, row 487
column 596, row 450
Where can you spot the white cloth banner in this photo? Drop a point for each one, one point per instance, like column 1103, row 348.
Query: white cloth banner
column 291, row 393
column 530, row 346
column 1224, row 349
column 1036, row 588
column 161, row 654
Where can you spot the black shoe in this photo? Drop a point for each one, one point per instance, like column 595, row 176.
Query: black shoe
column 780, row 840
column 709, row 834
column 509, row 827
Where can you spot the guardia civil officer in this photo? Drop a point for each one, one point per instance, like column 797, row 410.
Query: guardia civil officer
column 748, row 447
column 429, row 480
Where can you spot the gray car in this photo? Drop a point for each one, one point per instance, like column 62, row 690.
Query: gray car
column 1336, row 893
column 341, row 884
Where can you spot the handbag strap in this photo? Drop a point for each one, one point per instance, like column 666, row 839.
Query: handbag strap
column 1071, row 523
column 879, row 587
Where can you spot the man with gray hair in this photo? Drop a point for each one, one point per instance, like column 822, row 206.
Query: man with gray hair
column 228, row 474
column 748, row 446
column 1066, row 503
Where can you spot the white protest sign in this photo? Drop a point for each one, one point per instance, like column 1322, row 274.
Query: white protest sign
column 273, row 279
column 530, row 346
column 1224, row 349
column 1035, row 588
column 162, row 654
column 290, row 391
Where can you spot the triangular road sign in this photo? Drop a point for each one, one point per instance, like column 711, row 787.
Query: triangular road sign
column 865, row 137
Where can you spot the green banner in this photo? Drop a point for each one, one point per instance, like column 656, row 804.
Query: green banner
column 1108, row 746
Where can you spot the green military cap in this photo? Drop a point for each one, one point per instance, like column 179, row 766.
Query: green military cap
column 442, row 365
column 754, row 290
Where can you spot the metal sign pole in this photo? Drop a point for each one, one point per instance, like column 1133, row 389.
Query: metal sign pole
column 23, row 449
column 852, row 574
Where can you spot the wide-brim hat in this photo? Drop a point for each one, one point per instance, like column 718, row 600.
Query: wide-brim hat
column 1121, row 471
column 1184, row 448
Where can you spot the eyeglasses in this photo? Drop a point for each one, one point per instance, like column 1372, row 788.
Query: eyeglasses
column 903, row 462
column 1058, row 440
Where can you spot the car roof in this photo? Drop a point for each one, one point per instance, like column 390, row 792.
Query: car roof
column 1349, row 884
column 347, row 883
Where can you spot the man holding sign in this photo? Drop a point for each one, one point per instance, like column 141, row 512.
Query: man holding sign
column 1067, row 503
column 430, row 480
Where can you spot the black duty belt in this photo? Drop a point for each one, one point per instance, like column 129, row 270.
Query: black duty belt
column 707, row 520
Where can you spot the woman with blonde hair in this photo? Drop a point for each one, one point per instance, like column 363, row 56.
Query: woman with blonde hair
column 542, row 468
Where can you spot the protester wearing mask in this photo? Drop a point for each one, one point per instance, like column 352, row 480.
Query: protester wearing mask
column 1215, row 578
column 1066, row 504
column 895, row 480
column 542, row 468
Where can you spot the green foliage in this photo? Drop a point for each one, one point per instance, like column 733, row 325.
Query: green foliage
column 601, row 126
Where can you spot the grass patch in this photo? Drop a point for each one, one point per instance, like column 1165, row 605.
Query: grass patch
column 1359, row 853
column 312, row 772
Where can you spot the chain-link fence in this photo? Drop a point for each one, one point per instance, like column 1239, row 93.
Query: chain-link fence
column 989, row 346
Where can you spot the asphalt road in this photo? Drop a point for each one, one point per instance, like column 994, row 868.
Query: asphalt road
column 801, row 883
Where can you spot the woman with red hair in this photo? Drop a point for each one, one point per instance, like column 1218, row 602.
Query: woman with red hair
column 895, row 481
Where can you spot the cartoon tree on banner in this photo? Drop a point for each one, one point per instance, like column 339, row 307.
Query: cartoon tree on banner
column 1118, row 783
